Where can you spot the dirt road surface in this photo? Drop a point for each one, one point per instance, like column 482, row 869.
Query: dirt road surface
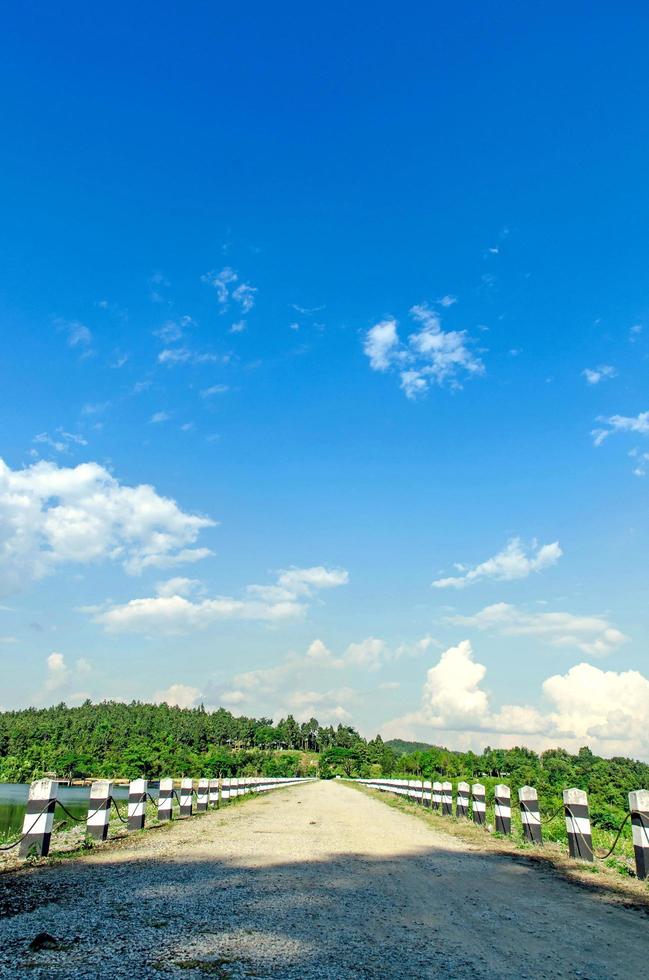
column 316, row 881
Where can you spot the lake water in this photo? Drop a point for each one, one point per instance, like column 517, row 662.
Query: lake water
column 13, row 797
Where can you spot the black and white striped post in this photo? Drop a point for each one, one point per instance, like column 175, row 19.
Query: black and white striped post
column 213, row 795
column 186, row 798
column 39, row 818
column 437, row 795
column 462, row 801
column 98, row 817
column 225, row 788
column 447, row 799
column 503, row 809
column 427, row 793
column 528, row 799
column 479, row 804
column 639, row 807
column 580, row 838
column 166, row 799
column 202, row 795
column 137, row 790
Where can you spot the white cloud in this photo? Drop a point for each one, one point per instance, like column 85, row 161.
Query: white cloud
column 173, row 330
column 51, row 516
column 158, row 417
column 621, row 423
column 509, row 564
column 61, row 680
column 430, row 355
column 447, row 301
column 174, row 613
column 178, row 695
column 607, row 710
column 61, row 441
column 214, row 390
column 174, row 355
column 238, row 327
column 78, row 333
column 369, row 653
column 178, row 586
column 591, row 634
column 594, row 375
column 223, row 282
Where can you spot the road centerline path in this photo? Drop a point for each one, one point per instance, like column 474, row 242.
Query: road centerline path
column 318, row 880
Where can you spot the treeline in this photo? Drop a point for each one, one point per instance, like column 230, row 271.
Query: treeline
column 130, row 740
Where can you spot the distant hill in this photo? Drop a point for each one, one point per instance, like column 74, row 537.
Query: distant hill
column 404, row 748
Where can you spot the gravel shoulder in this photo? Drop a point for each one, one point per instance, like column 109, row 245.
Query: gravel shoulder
column 315, row 881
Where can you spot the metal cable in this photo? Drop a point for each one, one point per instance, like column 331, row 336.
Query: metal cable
column 119, row 815
column 10, row 847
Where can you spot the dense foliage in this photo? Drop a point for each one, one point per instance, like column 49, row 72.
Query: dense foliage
column 128, row 740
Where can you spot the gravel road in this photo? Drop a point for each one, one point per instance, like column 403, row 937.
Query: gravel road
column 315, row 881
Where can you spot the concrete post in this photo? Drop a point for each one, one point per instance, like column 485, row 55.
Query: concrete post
column 639, row 807
column 39, row 818
column 166, row 799
column 447, row 799
column 186, row 799
column 503, row 809
column 137, row 790
column 580, row 839
column 101, row 792
column 427, row 794
column 437, row 795
column 530, row 815
column 202, row 794
column 225, row 788
column 213, row 795
column 462, row 802
column 479, row 804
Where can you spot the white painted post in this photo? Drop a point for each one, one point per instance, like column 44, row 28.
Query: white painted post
column 166, row 799
column 427, row 793
column 39, row 818
column 530, row 815
column 479, row 804
column 580, row 839
column 186, row 799
column 437, row 795
column 447, row 799
column 639, row 807
column 213, row 796
column 503, row 809
column 137, row 790
column 101, row 792
column 202, row 795
column 462, row 801
column 225, row 788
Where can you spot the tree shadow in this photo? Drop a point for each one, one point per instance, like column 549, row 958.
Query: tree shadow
column 432, row 912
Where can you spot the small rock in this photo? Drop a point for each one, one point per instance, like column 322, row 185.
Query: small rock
column 43, row 940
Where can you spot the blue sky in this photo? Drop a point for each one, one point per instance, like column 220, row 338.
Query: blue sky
column 364, row 293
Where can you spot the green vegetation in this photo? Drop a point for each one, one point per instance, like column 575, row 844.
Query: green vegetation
column 129, row 740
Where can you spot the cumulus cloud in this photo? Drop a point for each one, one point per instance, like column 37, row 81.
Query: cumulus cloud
column 607, row 710
column 593, row 635
column 594, row 375
column 509, row 564
column 178, row 695
column 51, row 516
column 430, row 355
column 173, row 612
column 621, row 423
column 61, row 680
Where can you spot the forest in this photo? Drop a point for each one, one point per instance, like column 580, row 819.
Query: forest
column 128, row 740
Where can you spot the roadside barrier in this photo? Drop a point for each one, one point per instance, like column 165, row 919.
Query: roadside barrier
column 38, row 822
column 439, row 797
column 462, row 801
column 479, row 804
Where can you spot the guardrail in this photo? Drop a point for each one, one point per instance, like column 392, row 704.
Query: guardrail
column 38, row 821
column 470, row 804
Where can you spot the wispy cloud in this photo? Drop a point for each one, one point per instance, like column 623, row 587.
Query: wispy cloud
column 287, row 598
column 430, row 355
column 158, row 417
column 591, row 634
column 214, row 390
column 594, row 375
column 511, row 563
column 243, row 294
column 61, row 441
column 638, row 424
